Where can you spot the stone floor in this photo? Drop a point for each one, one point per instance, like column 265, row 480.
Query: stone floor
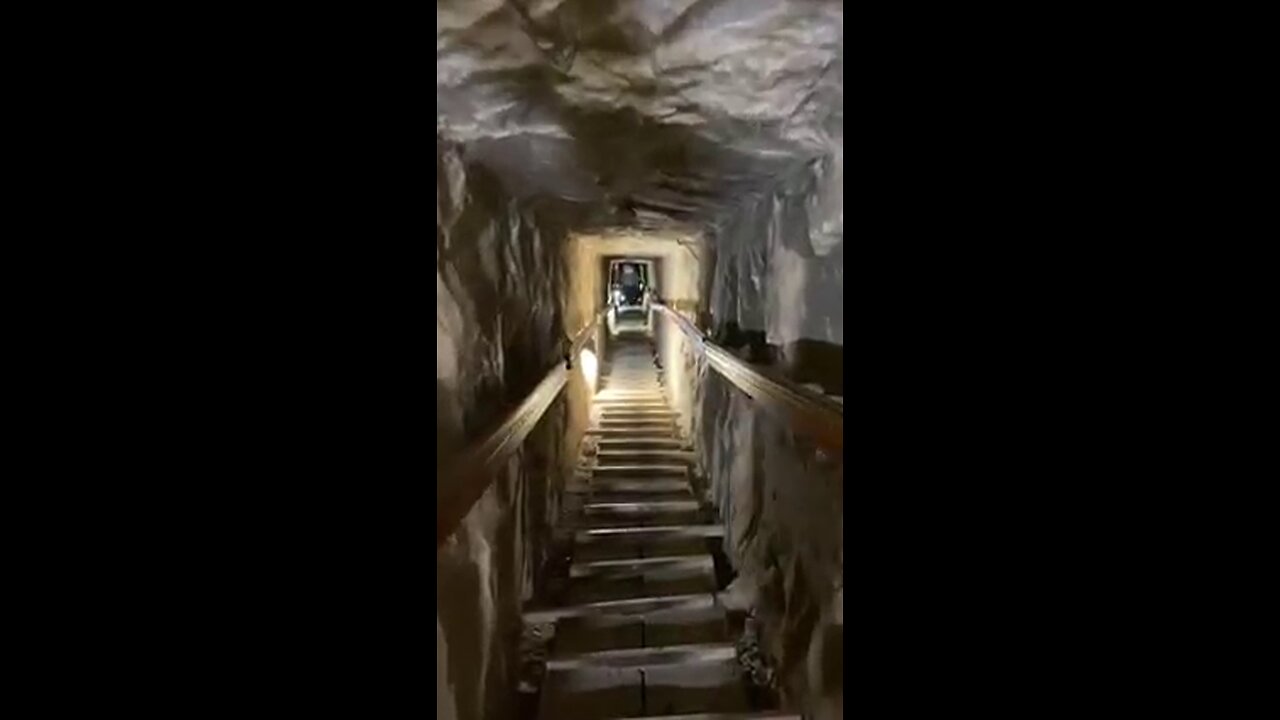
column 638, row 629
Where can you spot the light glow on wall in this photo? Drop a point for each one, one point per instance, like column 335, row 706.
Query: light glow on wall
column 590, row 367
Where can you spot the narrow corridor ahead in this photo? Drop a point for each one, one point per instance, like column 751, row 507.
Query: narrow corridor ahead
column 638, row 628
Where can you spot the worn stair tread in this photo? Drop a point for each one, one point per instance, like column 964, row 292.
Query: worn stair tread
column 602, row 521
column 620, row 458
column 708, row 688
column 679, row 626
column 653, row 582
column 607, row 543
column 639, row 506
column 623, row 442
column 631, row 485
column 624, row 468
column 626, row 496
column 592, row 693
column 616, row 455
column 638, row 469
column 631, row 606
column 755, row 715
column 675, row 626
column 638, row 545
column 641, row 633
column 639, row 443
column 677, row 455
column 655, row 547
column 655, row 402
column 602, row 534
column 695, row 687
column 629, row 457
column 656, row 432
column 636, row 513
column 589, row 633
column 600, row 568
column 637, row 489
column 647, row 657
column 681, row 613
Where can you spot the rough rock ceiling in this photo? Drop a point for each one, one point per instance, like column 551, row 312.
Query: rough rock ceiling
column 650, row 113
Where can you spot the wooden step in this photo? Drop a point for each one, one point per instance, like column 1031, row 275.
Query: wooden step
column 631, row 413
column 610, row 456
column 639, row 486
column 632, row 432
column 760, row 715
column 638, row 470
column 637, row 423
column 635, row 566
column 625, row 443
column 660, row 628
column 699, row 686
column 692, row 531
column 638, row 507
column 636, row 513
column 685, row 493
column 657, row 581
column 647, row 657
column 641, row 542
column 633, row 606
column 639, row 412
column 604, row 519
column 595, row 686
column 699, row 681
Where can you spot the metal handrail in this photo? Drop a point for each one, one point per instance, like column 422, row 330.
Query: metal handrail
column 812, row 414
column 470, row 474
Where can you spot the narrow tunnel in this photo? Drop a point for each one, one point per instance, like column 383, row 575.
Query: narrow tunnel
column 639, row 372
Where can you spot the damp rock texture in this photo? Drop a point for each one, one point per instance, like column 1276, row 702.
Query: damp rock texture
column 782, row 504
column 778, row 278
column 499, row 329
column 649, row 113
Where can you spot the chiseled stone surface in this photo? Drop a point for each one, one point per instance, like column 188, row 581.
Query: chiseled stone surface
column 782, row 504
column 702, row 687
column 592, row 693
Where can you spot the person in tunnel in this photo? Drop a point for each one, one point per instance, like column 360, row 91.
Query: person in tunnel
column 629, row 290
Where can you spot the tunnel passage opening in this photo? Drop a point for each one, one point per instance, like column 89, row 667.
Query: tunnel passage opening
column 630, row 282
column 630, row 290
column 668, row 263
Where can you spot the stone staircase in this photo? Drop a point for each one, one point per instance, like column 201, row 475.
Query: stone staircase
column 638, row 631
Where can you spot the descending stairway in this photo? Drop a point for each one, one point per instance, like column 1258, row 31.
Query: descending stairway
column 638, row 629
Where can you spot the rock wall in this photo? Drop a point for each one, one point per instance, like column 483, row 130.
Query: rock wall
column 779, row 272
column 500, row 327
column 777, row 298
column 782, row 505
